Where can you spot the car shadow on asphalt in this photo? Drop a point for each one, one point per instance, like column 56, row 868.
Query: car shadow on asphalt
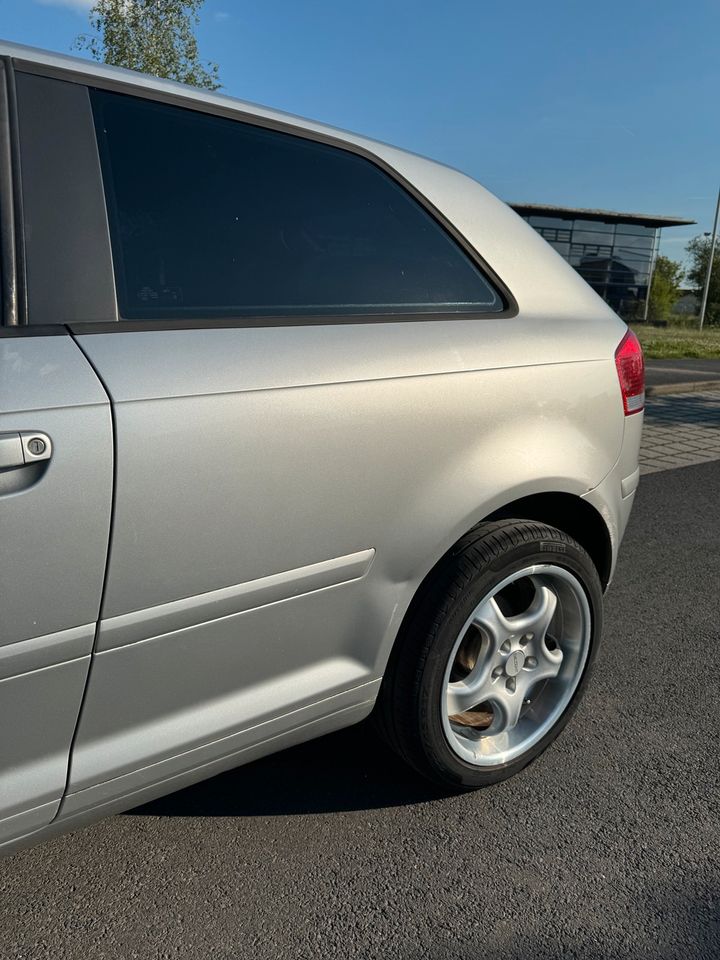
column 348, row 770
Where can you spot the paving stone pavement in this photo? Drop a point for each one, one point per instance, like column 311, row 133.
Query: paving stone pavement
column 680, row 429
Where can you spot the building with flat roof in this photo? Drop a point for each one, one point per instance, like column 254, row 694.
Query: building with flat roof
column 614, row 252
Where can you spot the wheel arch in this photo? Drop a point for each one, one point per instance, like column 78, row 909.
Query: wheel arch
column 412, row 711
column 571, row 514
column 566, row 511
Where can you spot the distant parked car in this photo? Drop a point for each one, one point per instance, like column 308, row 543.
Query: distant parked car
column 294, row 427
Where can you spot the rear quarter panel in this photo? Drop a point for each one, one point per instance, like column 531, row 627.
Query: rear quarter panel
column 280, row 447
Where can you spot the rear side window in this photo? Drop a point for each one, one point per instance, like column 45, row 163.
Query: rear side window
column 215, row 217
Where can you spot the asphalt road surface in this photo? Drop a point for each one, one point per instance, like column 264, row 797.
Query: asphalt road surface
column 680, row 371
column 607, row 847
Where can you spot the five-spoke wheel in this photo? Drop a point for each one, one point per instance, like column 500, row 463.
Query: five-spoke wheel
column 494, row 654
column 512, row 671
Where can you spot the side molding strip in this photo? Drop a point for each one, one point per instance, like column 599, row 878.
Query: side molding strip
column 204, row 607
column 38, row 652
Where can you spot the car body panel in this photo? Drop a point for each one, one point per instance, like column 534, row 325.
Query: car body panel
column 54, row 524
column 252, row 444
column 280, row 476
column 165, row 695
column 221, row 604
column 38, row 711
column 614, row 496
column 141, row 786
column 63, row 520
column 279, row 488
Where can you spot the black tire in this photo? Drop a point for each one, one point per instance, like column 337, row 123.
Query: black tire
column 408, row 712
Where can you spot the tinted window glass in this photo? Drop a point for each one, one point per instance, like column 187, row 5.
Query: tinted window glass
column 214, row 217
column 597, row 225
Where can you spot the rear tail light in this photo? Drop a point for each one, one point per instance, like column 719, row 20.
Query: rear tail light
column 631, row 373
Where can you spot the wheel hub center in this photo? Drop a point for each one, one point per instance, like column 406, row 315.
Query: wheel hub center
column 514, row 663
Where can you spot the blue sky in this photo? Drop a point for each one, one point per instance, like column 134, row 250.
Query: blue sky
column 608, row 104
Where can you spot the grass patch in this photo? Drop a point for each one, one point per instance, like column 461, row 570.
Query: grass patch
column 679, row 343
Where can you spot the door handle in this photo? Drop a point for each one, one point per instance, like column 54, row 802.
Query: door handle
column 23, row 448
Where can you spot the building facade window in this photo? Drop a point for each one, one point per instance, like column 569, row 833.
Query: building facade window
column 616, row 259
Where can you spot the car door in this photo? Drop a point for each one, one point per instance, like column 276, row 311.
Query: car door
column 55, row 495
column 257, row 410
column 55, row 501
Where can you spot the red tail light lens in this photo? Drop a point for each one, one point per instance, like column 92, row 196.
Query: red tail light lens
column 631, row 373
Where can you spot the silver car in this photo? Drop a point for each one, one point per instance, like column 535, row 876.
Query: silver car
column 295, row 428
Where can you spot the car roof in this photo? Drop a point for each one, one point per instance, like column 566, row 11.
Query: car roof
column 86, row 70
column 510, row 248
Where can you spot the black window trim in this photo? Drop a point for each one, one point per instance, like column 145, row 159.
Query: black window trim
column 13, row 285
column 68, row 257
column 510, row 308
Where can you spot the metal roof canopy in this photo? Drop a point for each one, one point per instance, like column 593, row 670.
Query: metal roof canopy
column 606, row 216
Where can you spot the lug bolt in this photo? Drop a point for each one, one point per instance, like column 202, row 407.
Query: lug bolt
column 505, row 648
column 531, row 662
column 510, row 684
column 498, row 672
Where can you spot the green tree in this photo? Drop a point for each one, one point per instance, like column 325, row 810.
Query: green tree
column 699, row 252
column 152, row 36
column 665, row 290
